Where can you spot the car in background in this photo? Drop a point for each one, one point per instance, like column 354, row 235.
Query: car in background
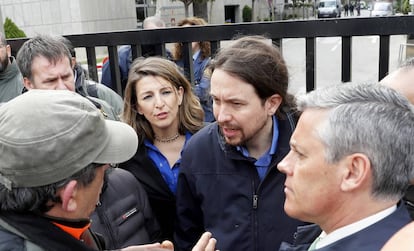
column 329, row 8
column 382, row 9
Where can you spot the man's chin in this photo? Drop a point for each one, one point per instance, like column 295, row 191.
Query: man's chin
column 233, row 141
column 292, row 212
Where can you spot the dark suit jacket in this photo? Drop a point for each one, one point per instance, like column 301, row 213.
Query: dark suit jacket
column 371, row 238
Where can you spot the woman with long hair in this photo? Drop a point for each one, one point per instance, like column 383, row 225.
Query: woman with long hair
column 161, row 107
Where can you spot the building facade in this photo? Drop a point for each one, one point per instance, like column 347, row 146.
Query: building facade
column 222, row 11
column 64, row 17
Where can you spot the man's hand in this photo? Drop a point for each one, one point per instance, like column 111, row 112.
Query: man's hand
column 164, row 246
column 205, row 243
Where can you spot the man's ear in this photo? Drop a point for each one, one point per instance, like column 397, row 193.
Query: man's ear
column 272, row 103
column 357, row 171
column 8, row 50
column 67, row 195
column 28, row 84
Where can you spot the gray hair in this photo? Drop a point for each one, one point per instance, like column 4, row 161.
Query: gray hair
column 371, row 119
column 52, row 48
column 68, row 44
column 155, row 20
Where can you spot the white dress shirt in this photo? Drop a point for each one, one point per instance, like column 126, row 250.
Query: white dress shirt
column 340, row 233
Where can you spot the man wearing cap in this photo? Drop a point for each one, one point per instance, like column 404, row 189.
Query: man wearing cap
column 55, row 147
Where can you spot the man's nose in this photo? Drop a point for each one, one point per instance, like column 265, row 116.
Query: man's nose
column 223, row 114
column 285, row 164
column 61, row 85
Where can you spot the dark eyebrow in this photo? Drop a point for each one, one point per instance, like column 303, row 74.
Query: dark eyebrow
column 50, row 79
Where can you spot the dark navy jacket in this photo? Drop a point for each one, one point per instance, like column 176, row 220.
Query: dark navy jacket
column 371, row 238
column 201, row 86
column 160, row 197
column 219, row 190
column 124, row 216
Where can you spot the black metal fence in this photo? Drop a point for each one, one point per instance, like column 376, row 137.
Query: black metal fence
column 346, row 28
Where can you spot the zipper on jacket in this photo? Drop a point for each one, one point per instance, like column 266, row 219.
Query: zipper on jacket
column 106, row 223
column 255, row 199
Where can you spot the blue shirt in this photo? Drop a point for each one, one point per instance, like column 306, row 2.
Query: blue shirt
column 195, row 55
column 262, row 164
column 170, row 175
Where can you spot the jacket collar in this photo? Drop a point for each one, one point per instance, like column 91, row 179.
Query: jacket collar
column 41, row 231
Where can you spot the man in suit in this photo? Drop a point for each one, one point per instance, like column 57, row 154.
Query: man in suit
column 348, row 168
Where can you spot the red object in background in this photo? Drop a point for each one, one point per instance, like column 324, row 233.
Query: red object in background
column 104, row 60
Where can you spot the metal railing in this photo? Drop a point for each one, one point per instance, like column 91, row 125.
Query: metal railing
column 346, row 28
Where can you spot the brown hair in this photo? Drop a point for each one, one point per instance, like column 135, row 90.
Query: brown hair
column 205, row 50
column 190, row 113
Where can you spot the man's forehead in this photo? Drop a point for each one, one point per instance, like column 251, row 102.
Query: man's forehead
column 309, row 120
column 232, row 87
column 52, row 60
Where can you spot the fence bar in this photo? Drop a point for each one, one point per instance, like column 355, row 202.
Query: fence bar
column 384, row 56
column 114, row 68
column 91, row 57
column 310, row 63
column 346, row 59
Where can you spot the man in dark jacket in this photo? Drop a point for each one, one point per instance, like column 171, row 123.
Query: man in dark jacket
column 124, row 215
column 349, row 165
column 55, row 147
column 229, row 184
